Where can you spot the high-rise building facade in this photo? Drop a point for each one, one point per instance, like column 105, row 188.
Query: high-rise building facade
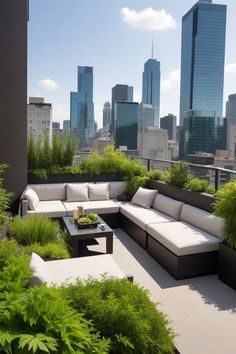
column 39, row 118
column 153, row 144
column 106, row 115
column 151, row 86
column 66, row 125
column 169, row 123
column 123, row 93
column 146, row 117
column 202, row 78
column 231, row 124
column 126, row 125
column 82, row 107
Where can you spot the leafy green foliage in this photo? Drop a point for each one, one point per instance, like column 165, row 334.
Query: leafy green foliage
column 5, row 198
column 37, row 342
column 178, row 176
column 225, row 207
column 123, row 312
column 88, row 218
column 9, row 248
column 42, row 157
column 34, row 229
column 49, row 251
column 199, row 185
column 155, row 175
column 133, row 184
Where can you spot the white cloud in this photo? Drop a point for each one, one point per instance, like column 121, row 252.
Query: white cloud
column 230, row 68
column 148, row 19
column 172, row 82
column 48, row 84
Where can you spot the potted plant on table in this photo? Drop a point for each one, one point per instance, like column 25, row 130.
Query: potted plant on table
column 225, row 207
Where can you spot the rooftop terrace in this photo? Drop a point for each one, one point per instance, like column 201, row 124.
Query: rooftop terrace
column 203, row 309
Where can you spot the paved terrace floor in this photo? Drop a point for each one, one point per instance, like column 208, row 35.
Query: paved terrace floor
column 202, row 309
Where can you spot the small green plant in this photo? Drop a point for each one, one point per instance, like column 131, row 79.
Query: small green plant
column 178, row 176
column 5, row 198
column 34, row 229
column 155, row 175
column 199, row 185
column 49, row 250
column 122, row 312
column 133, row 184
column 9, row 248
column 225, row 207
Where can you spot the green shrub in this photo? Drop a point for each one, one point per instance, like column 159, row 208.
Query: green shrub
column 155, row 175
column 225, row 207
column 133, row 184
column 49, row 250
column 34, row 229
column 9, row 248
column 199, row 185
column 92, row 164
column 122, row 312
column 178, row 176
column 5, row 198
column 39, row 320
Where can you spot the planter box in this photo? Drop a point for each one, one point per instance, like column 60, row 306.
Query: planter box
column 50, row 179
column 72, row 178
column 203, row 201
column 227, row 265
column 107, row 177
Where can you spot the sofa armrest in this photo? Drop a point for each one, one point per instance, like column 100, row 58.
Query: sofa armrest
column 24, row 207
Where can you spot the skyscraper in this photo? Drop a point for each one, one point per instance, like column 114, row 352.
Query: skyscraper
column 126, row 124
column 151, row 86
column 106, row 115
column 82, row 107
column 122, row 93
column 169, row 123
column 231, row 123
column 39, row 118
column 202, row 78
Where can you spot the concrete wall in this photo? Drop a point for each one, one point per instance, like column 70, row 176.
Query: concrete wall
column 13, row 94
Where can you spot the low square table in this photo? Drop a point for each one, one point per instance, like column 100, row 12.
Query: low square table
column 76, row 234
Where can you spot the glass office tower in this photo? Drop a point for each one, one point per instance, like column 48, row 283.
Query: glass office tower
column 151, row 86
column 202, row 78
column 82, row 107
column 126, row 125
column 122, row 93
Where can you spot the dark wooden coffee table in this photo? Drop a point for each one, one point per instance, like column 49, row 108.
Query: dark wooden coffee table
column 77, row 234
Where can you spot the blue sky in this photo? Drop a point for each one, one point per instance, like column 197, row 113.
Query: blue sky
column 113, row 36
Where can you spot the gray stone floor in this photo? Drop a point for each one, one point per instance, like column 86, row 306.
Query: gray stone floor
column 202, row 310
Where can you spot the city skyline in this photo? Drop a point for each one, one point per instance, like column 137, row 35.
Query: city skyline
column 117, row 55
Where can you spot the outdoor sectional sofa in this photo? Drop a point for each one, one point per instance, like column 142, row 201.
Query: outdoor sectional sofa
column 182, row 238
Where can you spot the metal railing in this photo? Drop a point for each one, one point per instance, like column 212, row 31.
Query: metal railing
column 216, row 176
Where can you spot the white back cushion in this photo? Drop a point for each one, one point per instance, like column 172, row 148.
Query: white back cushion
column 40, row 270
column 54, row 191
column 202, row 219
column 32, row 197
column 144, row 197
column 117, row 188
column 98, row 191
column 77, row 192
column 168, row 205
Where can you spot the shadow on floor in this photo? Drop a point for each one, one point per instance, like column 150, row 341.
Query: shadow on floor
column 211, row 289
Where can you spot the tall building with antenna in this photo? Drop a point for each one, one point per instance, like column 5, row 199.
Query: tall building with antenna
column 151, row 86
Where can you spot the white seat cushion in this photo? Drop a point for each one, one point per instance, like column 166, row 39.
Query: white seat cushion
column 144, row 197
column 98, row 191
column 76, row 192
column 182, row 238
column 50, row 208
column 31, row 196
column 142, row 217
column 41, row 273
column 98, row 206
column 168, row 205
column 202, row 219
column 68, row 270
column 52, row 191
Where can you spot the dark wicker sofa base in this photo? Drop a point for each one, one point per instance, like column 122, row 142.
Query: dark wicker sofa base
column 181, row 267
column 133, row 230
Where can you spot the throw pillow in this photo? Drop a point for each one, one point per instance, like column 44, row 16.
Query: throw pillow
column 77, row 192
column 144, row 197
column 32, row 197
column 99, row 191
